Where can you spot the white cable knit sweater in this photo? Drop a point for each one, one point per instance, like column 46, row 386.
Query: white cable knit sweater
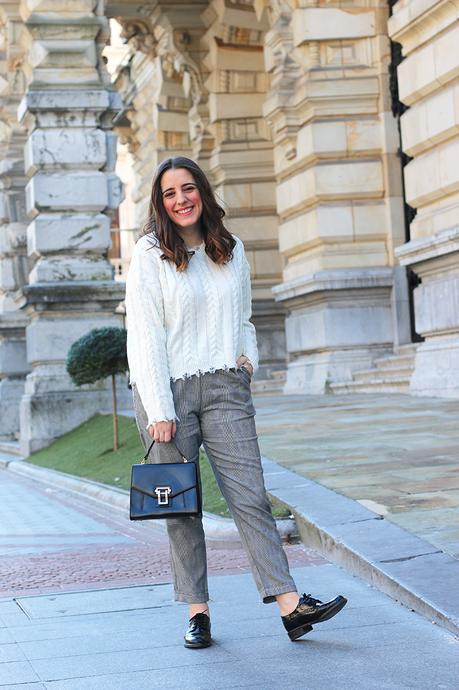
column 180, row 324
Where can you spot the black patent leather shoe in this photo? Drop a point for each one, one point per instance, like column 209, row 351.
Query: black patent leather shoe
column 198, row 632
column 310, row 611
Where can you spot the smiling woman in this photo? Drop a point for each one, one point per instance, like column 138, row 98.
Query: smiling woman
column 192, row 350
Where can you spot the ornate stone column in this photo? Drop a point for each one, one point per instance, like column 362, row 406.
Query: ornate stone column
column 429, row 34
column 69, row 159
column 13, row 260
column 339, row 193
column 241, row 162
column 161, row 87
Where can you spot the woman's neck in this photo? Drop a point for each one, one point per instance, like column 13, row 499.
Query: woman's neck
column 191, row 236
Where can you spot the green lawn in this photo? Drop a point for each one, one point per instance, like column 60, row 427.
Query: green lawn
column 87, row 452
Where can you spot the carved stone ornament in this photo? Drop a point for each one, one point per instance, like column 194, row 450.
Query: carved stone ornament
column 139, row 35
column 174, row 59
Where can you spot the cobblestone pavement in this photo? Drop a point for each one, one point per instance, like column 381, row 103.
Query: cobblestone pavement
column 52, row 540
column 397, row 455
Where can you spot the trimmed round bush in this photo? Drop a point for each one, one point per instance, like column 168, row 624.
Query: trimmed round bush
column 100, row 353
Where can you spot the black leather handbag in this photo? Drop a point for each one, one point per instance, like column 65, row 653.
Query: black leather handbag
column 164, row 490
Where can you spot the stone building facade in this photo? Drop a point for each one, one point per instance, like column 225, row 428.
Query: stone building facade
column 329, row 129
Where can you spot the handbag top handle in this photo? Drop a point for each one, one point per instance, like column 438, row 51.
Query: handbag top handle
column 151, row 446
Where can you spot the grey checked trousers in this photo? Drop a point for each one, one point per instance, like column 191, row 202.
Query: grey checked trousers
column 216, row 409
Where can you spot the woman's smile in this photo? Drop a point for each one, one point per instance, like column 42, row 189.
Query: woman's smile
column 185, row 211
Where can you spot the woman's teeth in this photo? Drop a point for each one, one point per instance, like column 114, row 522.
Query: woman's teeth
column 185, row 211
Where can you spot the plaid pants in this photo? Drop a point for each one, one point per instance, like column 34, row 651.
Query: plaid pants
column 216, row 409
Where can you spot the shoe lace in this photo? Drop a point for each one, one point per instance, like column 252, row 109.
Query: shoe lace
column 200, row 617
column 308, row 599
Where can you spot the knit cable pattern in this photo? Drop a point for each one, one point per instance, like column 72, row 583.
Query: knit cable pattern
column 184, row 324
column 213, row 308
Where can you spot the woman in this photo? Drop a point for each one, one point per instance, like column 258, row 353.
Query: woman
column 192, row 351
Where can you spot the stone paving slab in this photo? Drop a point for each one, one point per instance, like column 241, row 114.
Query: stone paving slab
column 97, row 601
column 397, row 455
column 374, row 643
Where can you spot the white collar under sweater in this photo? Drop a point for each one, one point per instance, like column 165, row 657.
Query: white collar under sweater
column 181, row 324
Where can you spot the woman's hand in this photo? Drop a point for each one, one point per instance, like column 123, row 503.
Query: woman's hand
column 243, row 360
column 162, row 432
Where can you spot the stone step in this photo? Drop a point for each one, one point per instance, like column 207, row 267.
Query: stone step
column 386, row 384
column 274, row 385
column 395, row 362
column 396, row 372
column 10, row 447
column 406, row 349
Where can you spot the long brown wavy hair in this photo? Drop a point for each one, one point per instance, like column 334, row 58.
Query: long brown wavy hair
column 218, row 240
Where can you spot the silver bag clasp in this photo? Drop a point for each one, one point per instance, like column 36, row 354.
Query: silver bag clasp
column 162, row 494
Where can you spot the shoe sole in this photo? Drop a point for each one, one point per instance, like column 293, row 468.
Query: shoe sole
column 303, row 629
column 298, row 632
column 200, row 645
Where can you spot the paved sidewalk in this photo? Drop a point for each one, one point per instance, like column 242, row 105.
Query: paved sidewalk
column 52, row 539
column 130, row 639
column 86, row 600
column 395, row 454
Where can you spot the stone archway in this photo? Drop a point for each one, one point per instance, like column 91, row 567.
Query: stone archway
column 194, row 84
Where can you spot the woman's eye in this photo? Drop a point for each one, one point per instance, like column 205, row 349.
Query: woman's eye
column 169, row 195
column 189, row 188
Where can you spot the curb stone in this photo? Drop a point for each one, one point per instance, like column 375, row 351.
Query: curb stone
column 218, row 530
column 400, row 564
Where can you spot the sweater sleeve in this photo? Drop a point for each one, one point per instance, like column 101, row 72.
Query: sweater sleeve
column 146, row 336
column 249, row 336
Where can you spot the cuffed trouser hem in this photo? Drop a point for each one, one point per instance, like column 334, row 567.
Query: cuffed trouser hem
column 192, row 598
column 270, row 597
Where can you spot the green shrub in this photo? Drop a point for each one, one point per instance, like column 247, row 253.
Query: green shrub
column 100, row 353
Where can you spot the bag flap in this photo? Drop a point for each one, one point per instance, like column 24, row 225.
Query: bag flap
column 151, row 491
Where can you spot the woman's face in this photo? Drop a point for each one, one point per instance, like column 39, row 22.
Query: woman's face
column 181, row 198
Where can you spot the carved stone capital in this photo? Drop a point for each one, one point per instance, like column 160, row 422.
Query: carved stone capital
column 172, row 48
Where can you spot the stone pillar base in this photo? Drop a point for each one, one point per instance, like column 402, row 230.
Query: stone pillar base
column 339, row 321
column 269, row 320
column 52, row 405
column 435, row 260
column 436, row 369
column 11, row 391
